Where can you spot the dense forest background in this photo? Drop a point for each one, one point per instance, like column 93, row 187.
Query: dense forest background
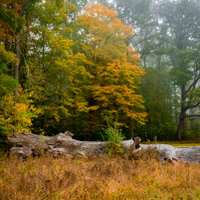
column 81, row 66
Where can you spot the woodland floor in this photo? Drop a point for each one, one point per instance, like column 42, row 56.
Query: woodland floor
column 138, row 176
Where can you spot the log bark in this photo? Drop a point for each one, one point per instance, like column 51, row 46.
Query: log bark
column 29, row 144
column 173, row 154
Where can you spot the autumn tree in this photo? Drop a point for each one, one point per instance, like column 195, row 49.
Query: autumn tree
column 16, row 111
column 113, row 68
column 13, row 21
column 75, row 67
column 54, row 66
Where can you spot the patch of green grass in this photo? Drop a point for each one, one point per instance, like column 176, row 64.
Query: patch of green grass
column 185, row 144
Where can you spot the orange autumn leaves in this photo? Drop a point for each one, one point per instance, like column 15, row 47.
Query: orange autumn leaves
column 90, row 73
column 105, row 33
column 11, row 21
column 14, row 117
column 115, row 74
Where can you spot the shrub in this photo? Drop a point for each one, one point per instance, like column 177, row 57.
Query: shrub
column 114, row 136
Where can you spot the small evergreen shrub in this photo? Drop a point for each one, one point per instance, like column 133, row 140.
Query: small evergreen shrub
column 114, row 136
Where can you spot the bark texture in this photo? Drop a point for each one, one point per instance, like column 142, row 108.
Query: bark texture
column 29, row 144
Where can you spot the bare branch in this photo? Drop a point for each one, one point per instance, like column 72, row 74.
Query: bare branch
column 189, row 116
column 191, row 86
column 194, row 106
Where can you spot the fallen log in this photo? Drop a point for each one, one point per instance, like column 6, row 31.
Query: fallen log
column 29, row 144
column 170, row 153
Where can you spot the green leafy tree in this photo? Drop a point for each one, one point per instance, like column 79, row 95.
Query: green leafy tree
column 54, row 65
column 139, row 15
column 157, row 92
column 182, row 19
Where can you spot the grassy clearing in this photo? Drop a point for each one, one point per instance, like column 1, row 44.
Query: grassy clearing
column 136, row 177
column 183, row 143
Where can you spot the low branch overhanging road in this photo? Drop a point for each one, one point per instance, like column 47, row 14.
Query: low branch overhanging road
column 29, row 144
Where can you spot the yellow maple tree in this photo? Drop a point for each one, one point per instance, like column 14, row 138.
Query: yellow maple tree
column 114, row 67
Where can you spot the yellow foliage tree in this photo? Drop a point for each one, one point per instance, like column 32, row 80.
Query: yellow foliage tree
column 16, row 112
column 113, row 68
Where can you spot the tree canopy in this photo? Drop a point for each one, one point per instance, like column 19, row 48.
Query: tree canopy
column 81, row 66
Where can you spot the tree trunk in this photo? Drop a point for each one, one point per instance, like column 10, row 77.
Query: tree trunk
column 180, row 126
column 16, row 68
column 181, row 123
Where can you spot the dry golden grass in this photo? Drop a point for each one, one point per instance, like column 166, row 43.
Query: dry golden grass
column 138, row 176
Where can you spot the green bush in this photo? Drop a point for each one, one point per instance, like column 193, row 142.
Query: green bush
column 114, row 136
